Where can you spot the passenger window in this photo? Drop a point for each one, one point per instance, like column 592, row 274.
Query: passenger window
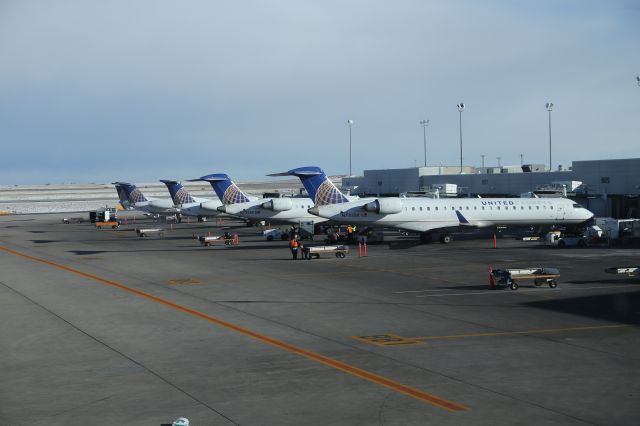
column 521, row 207
column 529, row 207
column 436, row 208
column 429, row 208
column 420, row 208
column 467, row 207
column 482, row 207
column 537, row 207
column 453, row 208
column 498, row 207
column 475, row 207
column 514, row 207
column 551, row 207
column 413, row 209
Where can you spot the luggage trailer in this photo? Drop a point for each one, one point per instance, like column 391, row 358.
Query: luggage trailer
column 509, row 277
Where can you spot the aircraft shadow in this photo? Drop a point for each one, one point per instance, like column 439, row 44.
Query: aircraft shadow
column 620, row 307
column 631, row 280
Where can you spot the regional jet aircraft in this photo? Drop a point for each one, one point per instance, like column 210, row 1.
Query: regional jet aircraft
column 132, row 197
column 190, row 205
column 435, row 216
column 289, row 210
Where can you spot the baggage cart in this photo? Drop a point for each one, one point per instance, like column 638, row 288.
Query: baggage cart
column 630, row 271
column 111, row 224
column 315, row 251
column 510, row 277
column 228, row 240
column 143, row 232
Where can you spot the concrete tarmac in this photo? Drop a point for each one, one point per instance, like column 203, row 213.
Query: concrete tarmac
column 104, row 328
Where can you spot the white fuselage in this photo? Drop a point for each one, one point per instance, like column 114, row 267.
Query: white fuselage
column 290, row 210
column 425, row 214
column 202, row 207
column 156, row 206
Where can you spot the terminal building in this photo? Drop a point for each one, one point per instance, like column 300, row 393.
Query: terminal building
column 606, row 187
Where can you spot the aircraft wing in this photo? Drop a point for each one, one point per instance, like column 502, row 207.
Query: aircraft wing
column 428, row 226
column 424, row 226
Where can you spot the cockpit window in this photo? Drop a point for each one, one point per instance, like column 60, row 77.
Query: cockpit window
column 577, row 206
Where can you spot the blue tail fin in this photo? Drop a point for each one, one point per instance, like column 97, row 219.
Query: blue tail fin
column 317, row 184
column 179, row 195
column 227, row 191
column 122, row 195
column 133, row 194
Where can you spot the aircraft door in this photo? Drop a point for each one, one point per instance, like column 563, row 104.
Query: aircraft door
column 560, row 212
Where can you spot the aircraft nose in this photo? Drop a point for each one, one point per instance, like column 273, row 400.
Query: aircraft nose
column 313, row 211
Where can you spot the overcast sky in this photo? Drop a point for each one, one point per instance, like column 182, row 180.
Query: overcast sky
column 98, row 91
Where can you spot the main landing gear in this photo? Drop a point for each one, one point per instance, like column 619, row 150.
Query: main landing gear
column 427, row 237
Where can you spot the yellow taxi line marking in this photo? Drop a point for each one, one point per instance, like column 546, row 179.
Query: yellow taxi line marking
column 514, row 333
column 426, row 397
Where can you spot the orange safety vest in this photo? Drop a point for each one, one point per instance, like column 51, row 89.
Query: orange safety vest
column 293, row 244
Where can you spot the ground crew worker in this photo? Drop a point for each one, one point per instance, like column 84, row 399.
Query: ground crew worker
column 293, row 245
column 350, row 232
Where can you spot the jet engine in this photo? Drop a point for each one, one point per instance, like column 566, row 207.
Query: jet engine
column 210, row 205
column 278, row 204
column 384, row 206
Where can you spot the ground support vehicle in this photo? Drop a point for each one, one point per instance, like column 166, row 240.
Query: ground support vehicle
column 111, row 224
column 68, row 220
column 228, row 240
column 630, row 271
column 509, row 277
column 315, row 251
column 144, row 232
column 275, row 234
column 620, row 231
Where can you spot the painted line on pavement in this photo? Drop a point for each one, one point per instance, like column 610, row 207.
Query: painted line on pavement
column 434, row 400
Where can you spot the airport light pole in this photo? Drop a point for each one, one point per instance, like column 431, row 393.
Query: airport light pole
column 521, row 159
column 424, row 124
column 638, row 80
column 549, row 107
column 482, row 155
column 350, row 123
column 499, row 161
column 460, row 109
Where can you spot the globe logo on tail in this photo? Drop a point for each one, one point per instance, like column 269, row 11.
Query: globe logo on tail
column 233, row 195
column 136, row 197
column 327, row 193
column 183, row 197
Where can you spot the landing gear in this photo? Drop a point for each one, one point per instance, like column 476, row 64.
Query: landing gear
column 446, row 238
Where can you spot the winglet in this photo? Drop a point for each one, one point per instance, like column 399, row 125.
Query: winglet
column 463, row 220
